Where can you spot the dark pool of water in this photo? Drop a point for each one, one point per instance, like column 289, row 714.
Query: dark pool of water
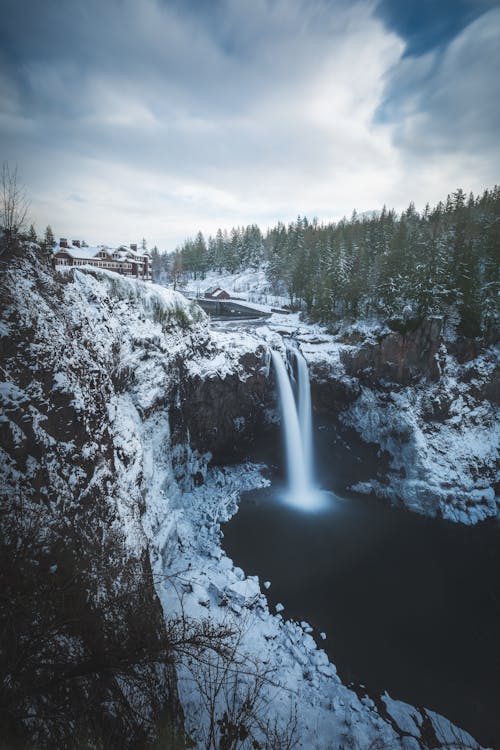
column 409, row 604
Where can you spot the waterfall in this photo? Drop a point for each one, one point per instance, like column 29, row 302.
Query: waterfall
column 297, row 476
column 305, row 414
column 297, row 429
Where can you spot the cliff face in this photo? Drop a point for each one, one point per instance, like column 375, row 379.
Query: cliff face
column 430, row 400
column 398, row 357
column 227, row 414
column 84, row 645
column 90, row 364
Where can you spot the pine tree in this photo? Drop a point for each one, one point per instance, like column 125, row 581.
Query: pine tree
column 32, row 234
column 176, row 270
column 199, row 256
column 155, row 264
column 48, row 241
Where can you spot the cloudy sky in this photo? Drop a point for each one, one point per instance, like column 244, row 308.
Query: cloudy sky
column 156, row 118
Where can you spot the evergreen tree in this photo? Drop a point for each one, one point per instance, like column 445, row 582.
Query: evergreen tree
column 48, row 241
column 393, row 267
column 32, row 234
column 155, row 264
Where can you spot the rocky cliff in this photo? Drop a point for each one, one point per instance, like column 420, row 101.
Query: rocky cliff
column 90, row 363
column 427, row 397
column 122, row 614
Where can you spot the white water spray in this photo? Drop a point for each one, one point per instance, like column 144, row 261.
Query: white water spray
column 305, row 413
column 297, row 430
column 297, row 476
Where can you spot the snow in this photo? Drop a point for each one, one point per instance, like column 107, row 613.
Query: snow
column 442, row 467
column 250, row 285
column 114, row 344
column 224, row 354
column 405, row 716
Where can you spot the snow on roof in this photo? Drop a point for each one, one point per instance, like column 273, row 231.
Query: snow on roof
column 133, row 253
column 83, row 253
column 88, row 253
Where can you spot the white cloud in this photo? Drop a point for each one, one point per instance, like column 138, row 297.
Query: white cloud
column 164, row 121
column 447, row 126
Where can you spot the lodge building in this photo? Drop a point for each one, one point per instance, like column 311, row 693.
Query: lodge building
column 125, row 259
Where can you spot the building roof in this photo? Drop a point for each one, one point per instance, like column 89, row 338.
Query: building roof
column 82, row 253
column 88, row 253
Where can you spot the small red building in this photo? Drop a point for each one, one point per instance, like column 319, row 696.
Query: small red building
column 216, row 292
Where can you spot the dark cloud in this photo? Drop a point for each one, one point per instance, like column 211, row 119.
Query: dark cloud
column 447, row 101
column 427, row 24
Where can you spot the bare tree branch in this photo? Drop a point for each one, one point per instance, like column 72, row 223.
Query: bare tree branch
column 14, row 206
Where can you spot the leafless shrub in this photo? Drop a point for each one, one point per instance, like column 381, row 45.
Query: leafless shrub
column 231, row 685
column 14, row 206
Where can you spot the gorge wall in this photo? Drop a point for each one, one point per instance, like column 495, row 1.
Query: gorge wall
column 429, row 399
column 115, row 397
column 84, row 643
column 97, row 372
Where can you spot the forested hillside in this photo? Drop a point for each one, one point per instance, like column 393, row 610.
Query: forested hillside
column 396, row 267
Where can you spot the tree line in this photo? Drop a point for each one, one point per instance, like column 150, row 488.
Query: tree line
column 393, row 266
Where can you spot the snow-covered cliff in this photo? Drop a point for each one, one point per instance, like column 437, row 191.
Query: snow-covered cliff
column 114, row 392
column 428, row 399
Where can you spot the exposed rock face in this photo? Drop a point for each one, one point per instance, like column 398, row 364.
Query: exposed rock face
column 331, row 395
column 113, row 396
column 225, row 415
column 398, row 357
column 431, row 403
column 85, row 650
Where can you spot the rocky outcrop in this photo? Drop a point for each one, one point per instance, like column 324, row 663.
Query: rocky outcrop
column 85, row 654
column 226, row 415
column 331, row 395
column 428, row 399
column 398, row 357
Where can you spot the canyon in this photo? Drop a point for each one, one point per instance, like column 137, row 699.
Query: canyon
column 128, row 421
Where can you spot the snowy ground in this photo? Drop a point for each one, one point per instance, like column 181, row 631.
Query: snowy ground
column 299, row 692
column 444, row 465
column 250, row 285
column 131, row 335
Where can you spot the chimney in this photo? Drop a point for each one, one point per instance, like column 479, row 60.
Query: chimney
column 75, row 243
column 63, row 242
column 134, row 247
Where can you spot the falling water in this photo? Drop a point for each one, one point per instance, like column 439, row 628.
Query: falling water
column 305, row 416
column 297, row 430
column 297, row 475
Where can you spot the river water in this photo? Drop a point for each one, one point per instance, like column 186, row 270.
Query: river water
column 410, row 605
